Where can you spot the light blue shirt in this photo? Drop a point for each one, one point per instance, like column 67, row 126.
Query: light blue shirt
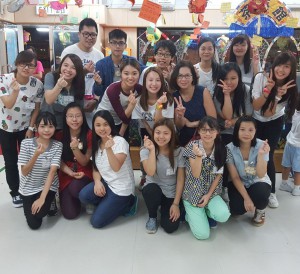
column 247, row 171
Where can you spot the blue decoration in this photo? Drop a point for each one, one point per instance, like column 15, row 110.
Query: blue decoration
column 268, row 28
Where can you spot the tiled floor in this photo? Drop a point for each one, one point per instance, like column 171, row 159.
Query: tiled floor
column 64, row 247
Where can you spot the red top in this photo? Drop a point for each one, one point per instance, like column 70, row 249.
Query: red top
column 65, row 179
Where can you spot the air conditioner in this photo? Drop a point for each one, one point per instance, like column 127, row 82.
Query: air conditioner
column 167, row 5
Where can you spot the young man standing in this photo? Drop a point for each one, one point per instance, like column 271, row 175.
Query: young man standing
column 88, row 32
column 109, row 67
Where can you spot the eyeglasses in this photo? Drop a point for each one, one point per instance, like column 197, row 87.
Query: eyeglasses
column 77, row 116
column 165, row 55
column 89, row 34
column 116, row 43
column 187, row 77
column 30, row 66
column 209, row 130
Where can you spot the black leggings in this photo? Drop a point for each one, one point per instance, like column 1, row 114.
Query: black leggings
column 154, row 198
column 258, row 192
column 270, row 130
column 35, row 220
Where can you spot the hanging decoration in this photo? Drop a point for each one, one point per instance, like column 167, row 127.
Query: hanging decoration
column 153, row 35
column 197, row 7
column 132, row 2
column 252, row 18
column 78, row 3
column 58, row 5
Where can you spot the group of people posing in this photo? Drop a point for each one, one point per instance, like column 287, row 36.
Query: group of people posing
column 204, row 132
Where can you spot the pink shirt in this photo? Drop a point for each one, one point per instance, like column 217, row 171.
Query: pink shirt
column 39, row 67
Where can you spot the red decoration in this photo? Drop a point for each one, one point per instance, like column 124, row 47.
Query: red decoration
column 257, row 6
column 78, row 3
column 197, row 6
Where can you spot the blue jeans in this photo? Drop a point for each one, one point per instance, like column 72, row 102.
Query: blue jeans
column 108, row 208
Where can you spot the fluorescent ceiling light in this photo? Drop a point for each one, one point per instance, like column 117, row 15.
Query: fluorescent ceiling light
column 215, row 30
column 43, row 29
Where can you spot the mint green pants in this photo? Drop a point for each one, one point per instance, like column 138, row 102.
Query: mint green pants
column 197, row 216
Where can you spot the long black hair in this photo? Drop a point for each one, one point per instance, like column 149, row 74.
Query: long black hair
column 96, row 139
column 235, row 136
column 239, row 94
column 67, row 154
column 220, row 152
column 292, row 93
column 239, row 39
column 78, row 83
column 214, row 65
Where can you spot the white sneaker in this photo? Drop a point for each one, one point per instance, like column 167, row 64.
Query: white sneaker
column 286, row 187
column 273, row 202
column 296, row 191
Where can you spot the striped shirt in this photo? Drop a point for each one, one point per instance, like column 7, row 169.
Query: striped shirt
column 35, row 180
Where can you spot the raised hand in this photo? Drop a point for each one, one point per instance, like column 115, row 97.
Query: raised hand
column 162, row 99
column 97, row 78
column 61, row 82
column 14, row 85
column 264, row 148
column 180, row 109
column 167, row 72
column 132, row 99
column 74, row 143
column 148, row 144
column 255, row 57
column 283, row 90
column 90, row 67
column 40, row 149
column 226, row 89
column 197, row 151
column 270, row 82
column 109, row 143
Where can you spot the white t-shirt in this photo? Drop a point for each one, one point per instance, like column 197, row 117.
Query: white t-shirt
column 258, row 86
column 121, row 182
column 293, row 138
column 247, row 77
column 18, row 117
column 34, row 182
column 94, row 56
column 205, row 79
column 140, row 114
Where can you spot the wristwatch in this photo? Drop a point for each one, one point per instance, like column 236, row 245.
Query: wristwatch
column 33, row 129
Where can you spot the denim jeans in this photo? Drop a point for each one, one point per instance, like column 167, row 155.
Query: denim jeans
column 10, row 143
column 108, row 207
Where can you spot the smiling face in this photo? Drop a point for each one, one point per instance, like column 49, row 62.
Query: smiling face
column 246, row 132
column 208, row 134
column 153, row 82
column 206, row 51
column 102, row 128
column 162, row 136
column 163, row 58
column 45, row 131
column 130, row 76
column 87, row 37
column 185, row 78
column 74, row 118
column 232, row 80
column 68, row 69
column 26, row 70
column 282, row 71
column 240, row 49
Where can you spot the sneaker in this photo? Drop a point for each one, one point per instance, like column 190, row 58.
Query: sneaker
column 286, row 187
column 133, row 208
column 212, row 222
column 17, row 201
column 141, row 184
column 259, row 217
column 296, row 191
column 273, row 202
column 89, row 209
column 151, row 225
column 53, row 209
column 224, row 194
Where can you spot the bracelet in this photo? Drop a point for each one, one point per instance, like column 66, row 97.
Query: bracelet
column 33, row 129
column 277, row 98
column 159, row 106
column 265, row 90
